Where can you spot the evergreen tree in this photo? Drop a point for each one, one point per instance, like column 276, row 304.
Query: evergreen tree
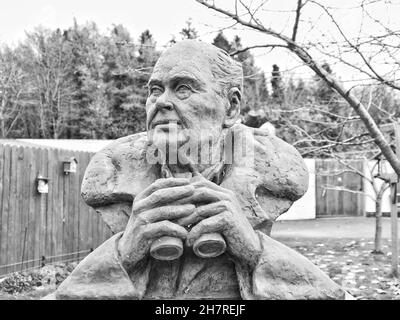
column 255, row 92
column 188, row 32
column 277, row 85
column 222, row 42
column 324, row 93
column 89, row 120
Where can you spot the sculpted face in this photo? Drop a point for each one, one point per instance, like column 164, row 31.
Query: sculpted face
column 183, row 103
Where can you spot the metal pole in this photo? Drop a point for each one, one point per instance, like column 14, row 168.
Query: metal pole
column 394, row 211
column 393, row 215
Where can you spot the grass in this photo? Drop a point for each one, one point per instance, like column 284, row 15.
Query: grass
column 348, row 262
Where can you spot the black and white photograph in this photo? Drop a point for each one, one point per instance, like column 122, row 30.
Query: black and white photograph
column 199, row 153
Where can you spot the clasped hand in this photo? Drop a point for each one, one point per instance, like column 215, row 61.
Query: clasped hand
column 187, row 209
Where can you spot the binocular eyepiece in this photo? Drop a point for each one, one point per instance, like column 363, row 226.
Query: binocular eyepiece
column 209, row 245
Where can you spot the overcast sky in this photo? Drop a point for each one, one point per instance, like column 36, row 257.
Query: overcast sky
column 166, row 18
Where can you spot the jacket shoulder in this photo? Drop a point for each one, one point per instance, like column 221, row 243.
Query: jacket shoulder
column 267, row 174
column 117, row 172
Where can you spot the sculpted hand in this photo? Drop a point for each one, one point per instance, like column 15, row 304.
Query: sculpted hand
column 217, row 210
column 152, row 211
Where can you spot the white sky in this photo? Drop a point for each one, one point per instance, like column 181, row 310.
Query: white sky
column 166, row 18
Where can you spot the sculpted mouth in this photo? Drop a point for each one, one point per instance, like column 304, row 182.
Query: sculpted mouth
column 165, row 122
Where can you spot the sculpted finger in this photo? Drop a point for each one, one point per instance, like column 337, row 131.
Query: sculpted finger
column 198, row 183
column 217, row 223
column 202, row 212
column 164, row 196
column 162, row 184
column 202, row 182
column 167, row 213
column 207, row 195
column 163, row 228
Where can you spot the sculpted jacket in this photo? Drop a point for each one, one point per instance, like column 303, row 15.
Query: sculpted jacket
column 265, row 188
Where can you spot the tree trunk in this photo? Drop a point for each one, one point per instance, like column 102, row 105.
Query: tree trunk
column 378, row 226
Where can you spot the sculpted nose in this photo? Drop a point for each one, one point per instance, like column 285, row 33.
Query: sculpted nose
column 163, row 103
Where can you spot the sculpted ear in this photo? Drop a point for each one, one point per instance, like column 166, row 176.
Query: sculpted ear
column 233, row 110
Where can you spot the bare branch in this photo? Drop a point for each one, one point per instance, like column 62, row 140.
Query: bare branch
column 337, row 188
column 369, row 122
column 257, row 46
column 297, row 19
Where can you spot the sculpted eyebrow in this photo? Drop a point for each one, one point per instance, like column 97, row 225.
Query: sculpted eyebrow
column 154, row 82
column 187, row 79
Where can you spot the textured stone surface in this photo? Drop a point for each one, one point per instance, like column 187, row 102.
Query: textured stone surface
column 196, row 88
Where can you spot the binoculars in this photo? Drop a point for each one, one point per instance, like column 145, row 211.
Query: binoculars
column 209, row 245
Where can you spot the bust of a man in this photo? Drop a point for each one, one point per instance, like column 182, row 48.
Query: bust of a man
column 191, row 201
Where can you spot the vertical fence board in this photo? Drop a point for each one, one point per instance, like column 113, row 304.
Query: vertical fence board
column 43, row 209
column 11, row 211
column 18, row 234
column 60, row 208
column 2, row 222
column 37, row 217
column 5, row 207
column 31, row 209
column 25, row 197
column 71, row 213
column 56, row 238
column 75, row 209
column 3, row 214
column 7, row 203
column 82, row 211
column 50, row 210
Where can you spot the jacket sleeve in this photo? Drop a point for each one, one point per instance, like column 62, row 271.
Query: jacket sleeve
column 101, row 276
column 282, row 273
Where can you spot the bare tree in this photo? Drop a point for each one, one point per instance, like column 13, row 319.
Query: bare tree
column 52, row 87
column 246, row 14
column 12, row 90
column 368, row 176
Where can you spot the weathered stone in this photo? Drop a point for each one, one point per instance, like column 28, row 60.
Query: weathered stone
column 235, row 186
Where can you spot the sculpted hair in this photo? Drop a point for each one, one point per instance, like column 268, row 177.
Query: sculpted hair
column 227, row 71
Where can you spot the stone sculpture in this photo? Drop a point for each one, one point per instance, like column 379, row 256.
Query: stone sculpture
column 192, row 228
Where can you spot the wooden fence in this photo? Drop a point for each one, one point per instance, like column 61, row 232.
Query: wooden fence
column 43, row 228
column 332, row 181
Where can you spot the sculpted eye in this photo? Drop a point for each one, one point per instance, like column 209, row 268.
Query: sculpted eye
column 156, row 91
column 183, row 91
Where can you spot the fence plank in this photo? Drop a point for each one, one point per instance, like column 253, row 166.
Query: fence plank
column 75, row 209
column 33, row 196
column 6, row 207
column 13, row 212
column 24, row 199
column 52, row 165
column 19, row 230
column 82, row 209
column 56, row 237
column 66, row 216
column 3, row 218
column 43, row 209
column 60, row 207
column 37, row 217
